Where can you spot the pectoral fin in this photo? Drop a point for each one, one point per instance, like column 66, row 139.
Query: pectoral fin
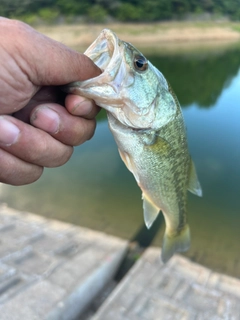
column 129, row 164
column 193, row 184
column 150, row 211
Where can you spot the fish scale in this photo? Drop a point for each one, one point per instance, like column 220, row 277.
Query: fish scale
column 146, row 121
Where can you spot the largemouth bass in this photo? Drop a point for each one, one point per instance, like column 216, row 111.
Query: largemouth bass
column 146, row 121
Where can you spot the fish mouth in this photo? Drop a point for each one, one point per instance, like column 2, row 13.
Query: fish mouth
column 103, row 49
column 105, row 52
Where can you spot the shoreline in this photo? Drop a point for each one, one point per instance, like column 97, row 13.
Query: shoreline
column 164, row 34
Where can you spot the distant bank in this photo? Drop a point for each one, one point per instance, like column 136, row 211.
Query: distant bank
column 145, row 35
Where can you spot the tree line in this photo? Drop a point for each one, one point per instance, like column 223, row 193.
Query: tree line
column 117, row 10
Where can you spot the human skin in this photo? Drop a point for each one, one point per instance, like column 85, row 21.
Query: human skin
column 39, row 125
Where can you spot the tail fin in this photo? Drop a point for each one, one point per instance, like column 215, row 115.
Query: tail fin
column 178, row 243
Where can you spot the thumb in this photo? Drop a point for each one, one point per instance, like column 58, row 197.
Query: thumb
column 62, row 65
column 49, row 62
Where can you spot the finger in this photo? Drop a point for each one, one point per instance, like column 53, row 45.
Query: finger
column 16, row 171
column 32, row 144
column 63, row 126
column 60, row 64
column 81, row 106
column 44, row 95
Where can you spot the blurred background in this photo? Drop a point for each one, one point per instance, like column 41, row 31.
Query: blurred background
column 102, row 11
column 195, row 44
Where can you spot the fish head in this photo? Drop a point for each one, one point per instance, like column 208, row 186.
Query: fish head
column 130, row 87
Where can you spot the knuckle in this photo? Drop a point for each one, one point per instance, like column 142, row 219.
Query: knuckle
column 16, row 172
column 86, row 132
column 28, row 177
column 91, row 132
column 60, row 157
column 66, row 155
column 42, row 149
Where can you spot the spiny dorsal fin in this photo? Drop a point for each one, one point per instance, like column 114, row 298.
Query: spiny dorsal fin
column 150, row 211
column 193, row 183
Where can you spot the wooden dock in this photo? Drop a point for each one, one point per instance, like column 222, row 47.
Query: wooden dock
column 53, row 271
column 178, row 290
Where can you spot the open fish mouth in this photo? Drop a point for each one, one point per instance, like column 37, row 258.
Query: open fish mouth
column 107, row 53
column 103, row 49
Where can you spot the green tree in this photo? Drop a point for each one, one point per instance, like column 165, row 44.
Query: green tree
column 9, row 8
column 123, row 10
column 48, row 15
column 97, row 13
column 207, row 5
column 128, row 12
column 74, row 7
column 231, row 7
column 156, row 10
column 180, row 7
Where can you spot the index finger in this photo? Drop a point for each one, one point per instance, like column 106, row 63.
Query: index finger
column 81, row 106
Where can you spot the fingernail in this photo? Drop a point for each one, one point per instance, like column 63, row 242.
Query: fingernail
column 9, row 132
column 46, row 119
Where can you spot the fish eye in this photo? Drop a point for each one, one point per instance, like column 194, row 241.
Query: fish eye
column 140, row 63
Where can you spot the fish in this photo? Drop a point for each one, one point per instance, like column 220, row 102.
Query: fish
column 146, row 120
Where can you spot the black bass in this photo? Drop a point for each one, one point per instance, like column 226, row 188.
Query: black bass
column 146, row 121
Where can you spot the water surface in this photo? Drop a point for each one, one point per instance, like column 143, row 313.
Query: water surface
column 94, row 189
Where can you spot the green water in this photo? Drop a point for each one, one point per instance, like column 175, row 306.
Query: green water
column 94, row 189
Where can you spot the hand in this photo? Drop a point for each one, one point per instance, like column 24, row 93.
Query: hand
column 37, row 128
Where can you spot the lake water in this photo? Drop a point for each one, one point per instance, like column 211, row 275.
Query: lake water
column 94, row 189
